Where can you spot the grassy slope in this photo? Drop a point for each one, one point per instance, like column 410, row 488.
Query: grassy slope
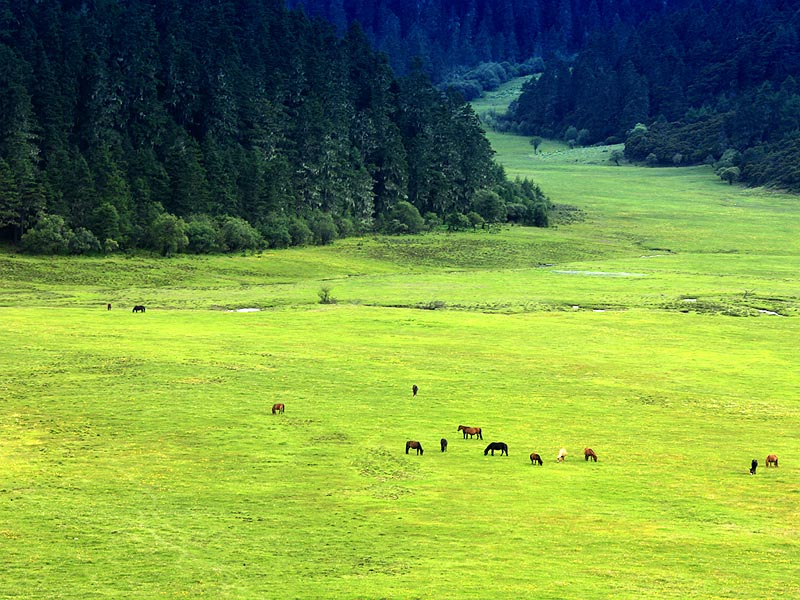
column 140, row 459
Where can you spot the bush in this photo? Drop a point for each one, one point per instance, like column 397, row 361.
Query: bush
column 50, row 235
column 457, row 222
column 405, row 218
column 275, row 231
column 168, row 234
column 237, row 234
column 202, row 233
column 323, row 228
column 300, row 232
column 84, row 241
column 432, row 220
column 475, row 220
column 490, row 206
column 325, row 295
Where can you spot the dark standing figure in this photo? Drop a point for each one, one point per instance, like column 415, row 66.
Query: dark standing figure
column 753, row 467
column 415, row 445
column 414, row 389
column 109, row 307
column 444, row 445
column 502, row 446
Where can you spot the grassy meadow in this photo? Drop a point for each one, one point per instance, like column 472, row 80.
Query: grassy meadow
column 140, row 458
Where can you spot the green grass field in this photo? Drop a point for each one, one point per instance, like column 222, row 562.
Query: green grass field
column 140, row 458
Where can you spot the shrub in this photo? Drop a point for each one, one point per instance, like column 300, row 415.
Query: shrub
column 406, row 217
column 50, row 235
column 84, row 241
column 202, row 233
column 237, row 234
column 457, row 222
column 325, row 295
column 168, row 234
column 323, row 228
column 299, row 231
column 275, row 231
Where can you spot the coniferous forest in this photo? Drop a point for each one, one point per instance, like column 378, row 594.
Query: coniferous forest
column 206, row 125
column 714, row 81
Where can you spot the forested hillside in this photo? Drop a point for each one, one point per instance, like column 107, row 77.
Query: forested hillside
column 716, row 81
column 449, row 34
column 206, row 124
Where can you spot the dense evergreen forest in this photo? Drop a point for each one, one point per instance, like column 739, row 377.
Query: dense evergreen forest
column 452, row 34
column 716, row 81
column 224, row 125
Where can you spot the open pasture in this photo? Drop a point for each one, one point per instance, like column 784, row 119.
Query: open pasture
column 140, row 456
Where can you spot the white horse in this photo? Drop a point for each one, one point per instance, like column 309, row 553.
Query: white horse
column 562, row 454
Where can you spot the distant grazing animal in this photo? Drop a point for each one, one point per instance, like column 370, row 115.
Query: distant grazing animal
column 277, row 408
column 138, row 308
column 109, row 307
column 562, row 455
column 753, row 467
column 415, row 445
column 589, row 453
column 414, row 389
column 535, row 458
column 502, row 446
column 470, row 431
column 772, row 460
column 444, row 445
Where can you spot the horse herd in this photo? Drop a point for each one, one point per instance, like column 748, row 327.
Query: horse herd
column 501, row 447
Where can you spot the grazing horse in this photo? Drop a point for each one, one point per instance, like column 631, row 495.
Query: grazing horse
column 562, row 455
column 277, row 408
column 535, row 458
column 502, row 446
column 138, row 308
column 470, row 431
column 772, row 460
column 414, row 389
column 444, row 445
column 589, row 453
column 753, row 466
column 108, row 307
column 415, row 445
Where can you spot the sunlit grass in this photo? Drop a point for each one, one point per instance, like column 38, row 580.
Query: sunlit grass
column 140, row 458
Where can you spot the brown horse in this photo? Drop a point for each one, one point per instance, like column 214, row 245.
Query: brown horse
column 470, row 431
column 772, row 460
column 415, row 445
column 535, row 458
column 589, row 453
column 277, row 408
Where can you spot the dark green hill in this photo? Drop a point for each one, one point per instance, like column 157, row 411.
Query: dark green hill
column 207, row 124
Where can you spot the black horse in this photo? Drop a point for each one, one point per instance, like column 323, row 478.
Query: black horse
column 414, row 389
column 138, row 308
column 415, row 445
column 502, row 446
column 753, row 467
column 444, row 445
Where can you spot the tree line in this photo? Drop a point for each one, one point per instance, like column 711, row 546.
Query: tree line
column 208, row 125
column 710, row 77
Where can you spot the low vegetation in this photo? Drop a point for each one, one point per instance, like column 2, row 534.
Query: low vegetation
column 141, row 457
